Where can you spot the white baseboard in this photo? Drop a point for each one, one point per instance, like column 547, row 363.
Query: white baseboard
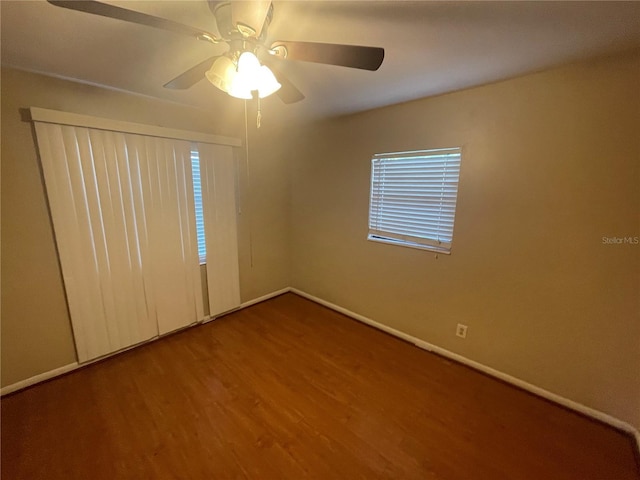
column 265, row 297
column 41, row 377
column 14, row 387
column 565, row 402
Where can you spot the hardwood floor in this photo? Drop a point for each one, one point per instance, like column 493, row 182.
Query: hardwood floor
column 287, row 389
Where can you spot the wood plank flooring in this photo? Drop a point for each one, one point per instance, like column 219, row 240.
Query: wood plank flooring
column 287, row 389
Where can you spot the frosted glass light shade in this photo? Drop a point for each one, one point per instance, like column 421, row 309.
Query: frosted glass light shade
column 246, row 80
column 240, row 89
column 222, row 73
column 248, row 64
column 267, row 82
column 242, row 86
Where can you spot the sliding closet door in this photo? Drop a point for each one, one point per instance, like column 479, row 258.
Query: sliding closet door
column 218, row 176
column 96, row 200
column 123, row 216
column 170, row 217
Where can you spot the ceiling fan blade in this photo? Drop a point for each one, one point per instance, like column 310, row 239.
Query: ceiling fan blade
column 192, row 76
column 353, row 56
column 288, row 92
column 119, row 13
column 250, row 14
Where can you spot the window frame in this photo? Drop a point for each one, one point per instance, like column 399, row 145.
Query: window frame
column 418, row 232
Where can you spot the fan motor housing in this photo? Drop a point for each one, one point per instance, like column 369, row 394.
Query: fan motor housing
column 224, row 20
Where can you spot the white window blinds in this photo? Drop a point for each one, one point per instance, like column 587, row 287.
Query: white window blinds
column 197, row 197
column 413, row 198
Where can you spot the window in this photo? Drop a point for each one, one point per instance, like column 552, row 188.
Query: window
column 197, row 197
column 413, row 198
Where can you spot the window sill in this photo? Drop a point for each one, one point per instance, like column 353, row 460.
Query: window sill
column 402, row 243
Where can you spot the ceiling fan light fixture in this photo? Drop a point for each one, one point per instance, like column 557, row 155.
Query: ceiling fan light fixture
column 250, row 77
column 222, row 73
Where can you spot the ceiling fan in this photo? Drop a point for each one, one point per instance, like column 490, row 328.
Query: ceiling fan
column 243, row 26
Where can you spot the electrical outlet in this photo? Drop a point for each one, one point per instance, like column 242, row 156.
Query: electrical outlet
column 461, row 330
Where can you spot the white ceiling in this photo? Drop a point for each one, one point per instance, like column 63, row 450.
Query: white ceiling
column 430, row 47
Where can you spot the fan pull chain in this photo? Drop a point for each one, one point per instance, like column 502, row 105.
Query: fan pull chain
column 259, row 115
column 248, row 191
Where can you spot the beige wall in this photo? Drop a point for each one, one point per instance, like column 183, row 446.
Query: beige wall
column 36, row 332
column 551, row 164
column 264, row 232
